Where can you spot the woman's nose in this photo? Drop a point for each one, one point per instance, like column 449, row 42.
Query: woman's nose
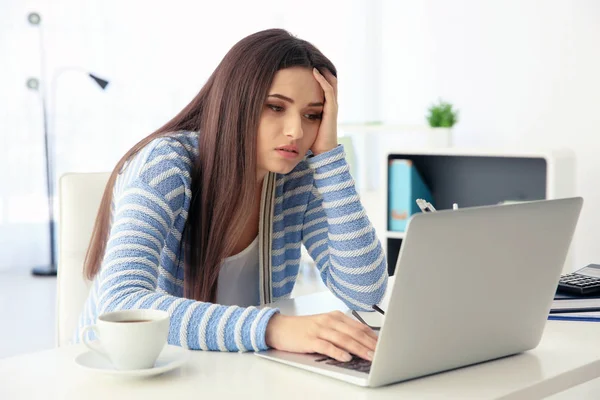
column 293, row 128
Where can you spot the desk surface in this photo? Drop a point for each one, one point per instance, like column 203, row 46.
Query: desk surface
column 568, row 355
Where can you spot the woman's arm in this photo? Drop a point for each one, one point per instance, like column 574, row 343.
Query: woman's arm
column 144, row 214
column 339, row 236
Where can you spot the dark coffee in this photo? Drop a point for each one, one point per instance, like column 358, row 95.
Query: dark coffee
column 134, row 320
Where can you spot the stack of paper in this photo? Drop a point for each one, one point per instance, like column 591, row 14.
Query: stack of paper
column 575, row 309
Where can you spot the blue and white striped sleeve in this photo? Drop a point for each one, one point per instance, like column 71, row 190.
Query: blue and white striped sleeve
column 144, row 214
column 339, row 236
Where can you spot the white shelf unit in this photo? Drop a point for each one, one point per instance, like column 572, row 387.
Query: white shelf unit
column 371, row 140
column 477, row 177
column 377, row 127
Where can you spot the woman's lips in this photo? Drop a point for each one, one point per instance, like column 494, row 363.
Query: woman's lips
column 287, row 153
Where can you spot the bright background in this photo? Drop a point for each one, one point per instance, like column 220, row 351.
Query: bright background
column 523, row 74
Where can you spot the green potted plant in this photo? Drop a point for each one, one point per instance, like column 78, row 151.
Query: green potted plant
column 441, row 118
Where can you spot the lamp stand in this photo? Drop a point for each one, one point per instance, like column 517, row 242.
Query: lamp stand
column 35, row 19
column 34, row 84
column 51, row 269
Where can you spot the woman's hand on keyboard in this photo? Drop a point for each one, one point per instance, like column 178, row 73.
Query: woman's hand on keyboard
column 333, row 334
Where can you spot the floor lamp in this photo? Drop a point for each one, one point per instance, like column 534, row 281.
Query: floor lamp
column 34, row 84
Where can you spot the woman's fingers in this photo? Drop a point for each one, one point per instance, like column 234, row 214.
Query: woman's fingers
column 347, row 334
column 331, row 79
column 340, row 316
column 357, row 333
column 327, row 348
column 333, row 334
column 328, row 88
column 346, row 343
column 359, row 326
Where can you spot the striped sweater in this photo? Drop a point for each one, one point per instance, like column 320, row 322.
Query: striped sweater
column 315, row 205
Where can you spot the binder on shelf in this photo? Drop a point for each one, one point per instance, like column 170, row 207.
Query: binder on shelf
column 405, row 186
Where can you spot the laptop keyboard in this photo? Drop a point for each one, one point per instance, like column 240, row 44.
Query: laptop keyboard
column 356, row 364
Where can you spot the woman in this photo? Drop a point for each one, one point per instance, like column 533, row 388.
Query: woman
column 205, row 217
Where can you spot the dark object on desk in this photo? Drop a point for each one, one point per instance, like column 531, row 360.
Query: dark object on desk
column 583, row 282
column 379, row 310
column 566, row 296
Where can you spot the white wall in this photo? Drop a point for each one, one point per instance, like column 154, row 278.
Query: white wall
column 156, row 55
column 522, row 73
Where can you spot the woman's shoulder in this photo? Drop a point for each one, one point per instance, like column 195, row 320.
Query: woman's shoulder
column 165, row 160
column 174, row 145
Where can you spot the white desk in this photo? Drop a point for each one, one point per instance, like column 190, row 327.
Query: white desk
column 568, row 355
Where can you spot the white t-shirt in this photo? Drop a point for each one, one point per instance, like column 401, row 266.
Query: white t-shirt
column 238, row 278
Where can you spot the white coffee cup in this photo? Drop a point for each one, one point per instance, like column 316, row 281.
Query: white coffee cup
column 130, row 339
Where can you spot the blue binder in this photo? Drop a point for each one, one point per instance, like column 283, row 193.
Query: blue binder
column 405, row 186
column 588, row 317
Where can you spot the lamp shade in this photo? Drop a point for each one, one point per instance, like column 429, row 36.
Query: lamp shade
column 101, row 82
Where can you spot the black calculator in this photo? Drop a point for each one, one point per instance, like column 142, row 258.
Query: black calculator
column 584, row 281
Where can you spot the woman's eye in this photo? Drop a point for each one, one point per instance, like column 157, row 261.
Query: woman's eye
column 275, row 108
column 314, row 116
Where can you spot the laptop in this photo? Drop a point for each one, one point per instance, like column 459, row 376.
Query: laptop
column 471, row 285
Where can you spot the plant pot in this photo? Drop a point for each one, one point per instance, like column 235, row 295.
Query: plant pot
column 439, row 137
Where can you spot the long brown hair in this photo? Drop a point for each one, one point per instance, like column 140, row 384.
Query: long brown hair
column 226, row 113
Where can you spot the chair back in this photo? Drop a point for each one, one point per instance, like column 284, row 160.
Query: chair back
column 79, row 199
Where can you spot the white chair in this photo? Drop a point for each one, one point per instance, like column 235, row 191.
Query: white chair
column 79, row 199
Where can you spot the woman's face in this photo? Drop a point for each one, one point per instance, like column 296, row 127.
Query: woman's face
column 289, row 121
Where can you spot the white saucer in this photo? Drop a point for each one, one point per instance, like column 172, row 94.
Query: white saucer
column 170, row 358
